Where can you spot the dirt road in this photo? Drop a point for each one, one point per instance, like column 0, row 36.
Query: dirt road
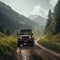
column 34, row 53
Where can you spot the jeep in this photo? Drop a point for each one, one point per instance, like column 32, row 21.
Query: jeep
column 26, row 38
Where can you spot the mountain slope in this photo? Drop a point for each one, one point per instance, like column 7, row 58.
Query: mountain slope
column 41, row 22
column 38, row 19
column 11, row 19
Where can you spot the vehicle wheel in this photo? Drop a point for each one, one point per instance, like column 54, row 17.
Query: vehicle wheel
column 32, row 44
column 18, row 45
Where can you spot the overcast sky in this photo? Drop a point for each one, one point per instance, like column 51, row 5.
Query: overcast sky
column 31, row 7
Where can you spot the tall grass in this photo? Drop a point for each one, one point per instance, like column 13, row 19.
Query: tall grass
column 49, row 44
column 7, row 47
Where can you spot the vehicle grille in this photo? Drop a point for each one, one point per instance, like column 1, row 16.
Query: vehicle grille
column 25, row 38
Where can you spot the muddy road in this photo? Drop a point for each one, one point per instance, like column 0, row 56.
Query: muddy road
column 34, row 53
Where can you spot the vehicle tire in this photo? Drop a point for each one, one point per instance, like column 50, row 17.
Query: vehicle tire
column 18, row 42
column 32, row 44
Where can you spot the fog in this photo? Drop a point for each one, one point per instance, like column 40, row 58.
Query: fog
column 31, row 7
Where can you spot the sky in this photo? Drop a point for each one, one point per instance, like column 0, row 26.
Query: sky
column 31, row 7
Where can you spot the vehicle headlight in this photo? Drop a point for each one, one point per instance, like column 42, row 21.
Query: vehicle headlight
column 29, row 37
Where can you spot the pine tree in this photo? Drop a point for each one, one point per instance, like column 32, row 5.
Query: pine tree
column 57, row 17
column 54, row 27
column 49, row 20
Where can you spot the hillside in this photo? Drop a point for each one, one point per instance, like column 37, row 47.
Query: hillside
column 12, row 20
column 40, row 21
column 8, row 46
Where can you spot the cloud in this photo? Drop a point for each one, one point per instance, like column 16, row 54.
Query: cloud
column 38, row 10
column 53, row 2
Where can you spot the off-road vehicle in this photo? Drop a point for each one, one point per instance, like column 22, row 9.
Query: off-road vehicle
column 26, row 38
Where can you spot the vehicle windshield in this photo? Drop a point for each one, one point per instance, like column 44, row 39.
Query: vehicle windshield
column 26, row 32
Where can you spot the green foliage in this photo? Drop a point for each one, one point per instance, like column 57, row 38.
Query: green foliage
column 49, row 20
column 57, row 17
column 55, row 38
column 2, row 35
column 50, row 45
column 54, row 27
column 8, row 46
column 6, row 31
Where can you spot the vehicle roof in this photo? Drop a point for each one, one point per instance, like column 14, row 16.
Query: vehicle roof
column 25, row 30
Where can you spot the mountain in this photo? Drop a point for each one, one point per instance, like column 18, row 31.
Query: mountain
column 38, row 19
column 13, row 20
column 41, row 22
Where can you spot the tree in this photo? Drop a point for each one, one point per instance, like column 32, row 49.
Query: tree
column 49, row 20
column 57, row 17
column 6, row 31
column 54, row 27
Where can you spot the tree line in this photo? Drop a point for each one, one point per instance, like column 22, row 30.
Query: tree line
column 53, row 21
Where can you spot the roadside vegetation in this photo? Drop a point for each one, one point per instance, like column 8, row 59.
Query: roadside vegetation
column 51, row 42
column 52, row 30
column 8, row 46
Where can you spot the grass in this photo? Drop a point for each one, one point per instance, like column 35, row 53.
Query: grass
column 56, row 38
column 7, row 47
column 50, row 44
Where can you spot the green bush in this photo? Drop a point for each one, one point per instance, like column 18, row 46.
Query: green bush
column 8, row 46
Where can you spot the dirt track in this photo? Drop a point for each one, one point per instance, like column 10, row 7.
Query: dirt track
column 34, row 53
